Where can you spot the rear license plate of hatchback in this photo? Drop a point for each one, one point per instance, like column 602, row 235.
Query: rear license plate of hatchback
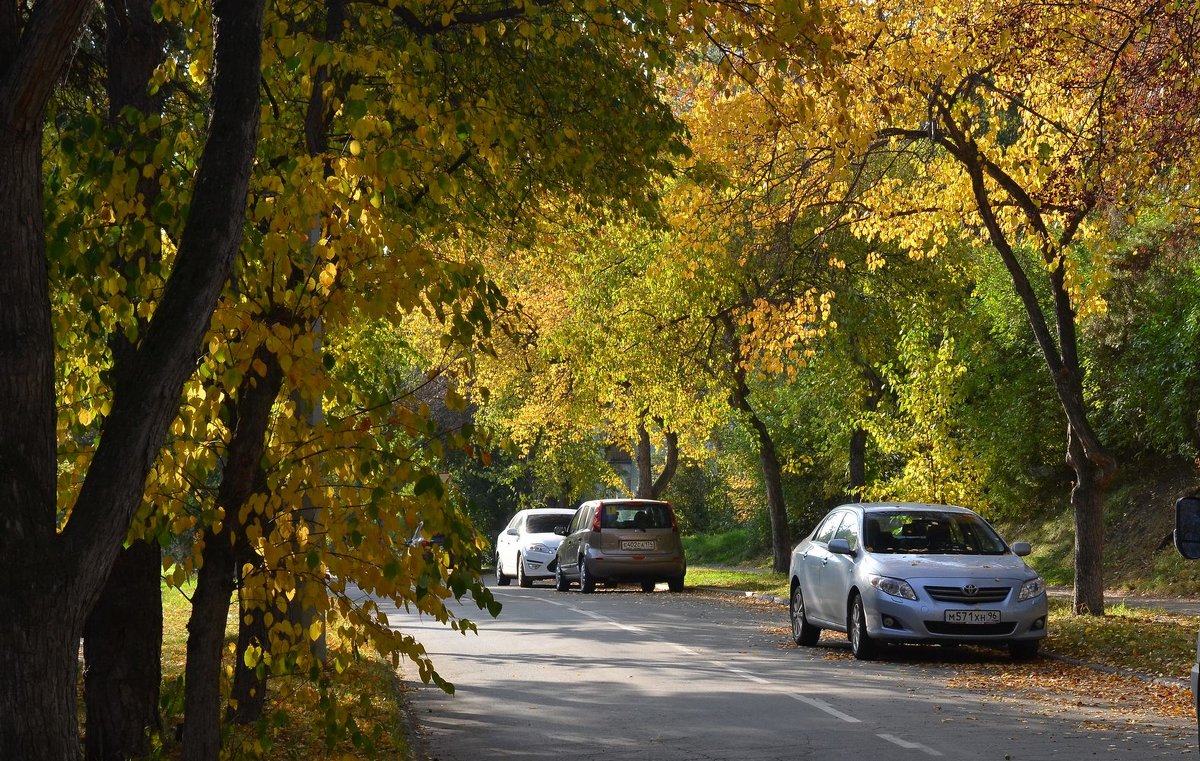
column 639, row 544
column 972, row 616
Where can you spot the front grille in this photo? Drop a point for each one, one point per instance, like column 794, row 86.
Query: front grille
column 963, row 595
column 978, row 630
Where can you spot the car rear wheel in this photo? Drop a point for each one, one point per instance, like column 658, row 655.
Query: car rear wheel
column 861, row 644
column 676, row 584
column 587, row 584
column 647, row 586
column 501, row 579
column 1023, row 650
column 560, row 580
column 522, row 579
column 803, row 633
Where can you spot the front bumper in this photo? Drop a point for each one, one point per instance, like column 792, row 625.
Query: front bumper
column 539, row 565
column 894, row 619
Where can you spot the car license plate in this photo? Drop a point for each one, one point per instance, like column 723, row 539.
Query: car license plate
column 972, row 616
column 638, row 545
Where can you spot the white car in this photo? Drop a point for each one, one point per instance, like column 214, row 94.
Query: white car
column 526, row 548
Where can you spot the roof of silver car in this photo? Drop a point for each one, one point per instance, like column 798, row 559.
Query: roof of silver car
column 914, row 506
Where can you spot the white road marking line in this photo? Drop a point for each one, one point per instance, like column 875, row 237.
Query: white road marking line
column 747, row 675
column 910, row 745
column 823, row 706
column 626, row 627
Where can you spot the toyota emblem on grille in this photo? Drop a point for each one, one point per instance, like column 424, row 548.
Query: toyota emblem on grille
column 970, row 590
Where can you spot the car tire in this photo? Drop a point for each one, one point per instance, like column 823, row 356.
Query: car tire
column 803, row 633
column 587, row 584
column 560, row 580
column 648, row 586
column 501, row 579
column 861, row 645
column 522, row 579
column 675, row 584
column 1024, row 650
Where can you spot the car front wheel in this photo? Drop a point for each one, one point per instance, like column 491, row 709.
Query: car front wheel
column 861, row 644
column 560, row 580
column 501, row 579
column 522, row 579
column 803, row 633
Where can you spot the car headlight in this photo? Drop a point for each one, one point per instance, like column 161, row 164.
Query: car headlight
column 1031, row 589
column 538, row 547
column 893, row 587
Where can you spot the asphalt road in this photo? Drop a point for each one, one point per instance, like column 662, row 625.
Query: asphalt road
column 621, row 675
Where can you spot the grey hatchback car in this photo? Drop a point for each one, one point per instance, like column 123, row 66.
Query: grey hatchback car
column 902, row 572
column 621, row 540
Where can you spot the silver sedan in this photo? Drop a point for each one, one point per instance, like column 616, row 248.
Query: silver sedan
column 901, row 572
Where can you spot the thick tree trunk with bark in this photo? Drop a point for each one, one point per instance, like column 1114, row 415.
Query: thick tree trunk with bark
column 53, row 579
column 221, row 561
column 41, row 597
column 122, row 647
column 1094, row 466
column 123, row 633
column 206, row 641
column 649, row 487
column 248, row 695
column 1087, row 500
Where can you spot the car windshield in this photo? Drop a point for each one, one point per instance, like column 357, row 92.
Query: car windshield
column 544, row 524
column 635, row 515
column 930, row 533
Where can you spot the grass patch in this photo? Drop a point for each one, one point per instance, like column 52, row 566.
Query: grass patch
column 362, row 703
column 739, row 546
column 1145, row 640
column 765, row 580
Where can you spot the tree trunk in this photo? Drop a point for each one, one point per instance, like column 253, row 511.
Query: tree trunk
column 123, row 633
column 122, row 646
column 669, row 467
column 645, row 485
column 223, row 558
column 206, row 640
column 39, row 657
column 43, row 598
column 768, row 458
column 649, row 487
column 1094, row 466
column 1087, row 500
column 52, row 579
column 858, row 461
column 248, row 696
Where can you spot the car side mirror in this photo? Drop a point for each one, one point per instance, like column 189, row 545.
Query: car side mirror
column 560, row 530
column 513, row 532
column 1187, row 527
column 840, row 547
column 1021, row 549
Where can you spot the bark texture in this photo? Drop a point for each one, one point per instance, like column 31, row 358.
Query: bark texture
column 53, row 579
column 123, row 633
column 122, row 647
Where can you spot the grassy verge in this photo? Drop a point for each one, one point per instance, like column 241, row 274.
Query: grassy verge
column 362, row 703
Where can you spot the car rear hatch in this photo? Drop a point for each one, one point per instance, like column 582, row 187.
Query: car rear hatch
column 639, row 529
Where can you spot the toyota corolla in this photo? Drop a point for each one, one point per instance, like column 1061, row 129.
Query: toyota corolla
column 902, row 572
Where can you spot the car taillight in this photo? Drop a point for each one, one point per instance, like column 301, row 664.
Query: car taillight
column 596, row 519
column 674, row 523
